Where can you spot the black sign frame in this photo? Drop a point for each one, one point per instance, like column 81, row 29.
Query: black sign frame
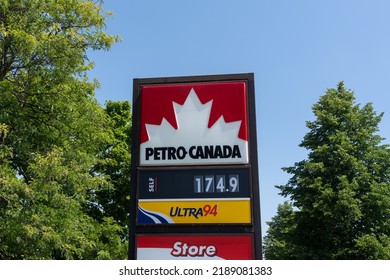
column 253, row 228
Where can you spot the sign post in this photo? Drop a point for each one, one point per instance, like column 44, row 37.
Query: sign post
column 194, row 187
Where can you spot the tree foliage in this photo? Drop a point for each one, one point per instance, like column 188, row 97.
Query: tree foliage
column 115, row 161
column 51, row 131
column 341, row 193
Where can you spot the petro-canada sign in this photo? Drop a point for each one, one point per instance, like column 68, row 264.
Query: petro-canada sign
column 194, row 168
column 194, row 124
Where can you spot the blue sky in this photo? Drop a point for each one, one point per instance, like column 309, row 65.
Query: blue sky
column 296, row 48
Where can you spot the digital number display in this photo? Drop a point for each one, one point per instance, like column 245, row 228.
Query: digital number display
column 199, row 183
column 216, row 183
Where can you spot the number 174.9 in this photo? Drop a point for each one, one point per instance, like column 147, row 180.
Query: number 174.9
column 216, row 183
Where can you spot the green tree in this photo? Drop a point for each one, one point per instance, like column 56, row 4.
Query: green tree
column 279, row 232
column 51, row 129
column 115, row 162
column 341, row 192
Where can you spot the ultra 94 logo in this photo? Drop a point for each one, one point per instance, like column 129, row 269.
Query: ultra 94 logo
column 194, row 212
column 216, row 183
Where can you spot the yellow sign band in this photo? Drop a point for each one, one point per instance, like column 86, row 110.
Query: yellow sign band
column 204, row 211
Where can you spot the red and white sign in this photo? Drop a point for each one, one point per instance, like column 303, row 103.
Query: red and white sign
column 195, row 123
column 169, row 247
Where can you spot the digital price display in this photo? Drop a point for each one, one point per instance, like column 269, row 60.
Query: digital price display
column 194, row 183
column 217, row 183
